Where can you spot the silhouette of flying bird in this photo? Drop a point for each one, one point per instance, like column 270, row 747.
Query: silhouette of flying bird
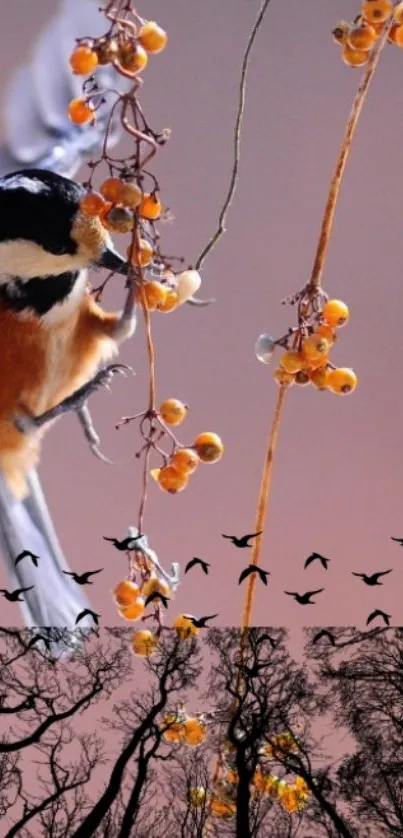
column 157, row 595
column 313, row 557
column 36, row 638
column 85, row 612
column 82, row 578
column 127, row 543
column 27, row 554
column 200, row 622
column 204, row 565
column 378, row 613
column 372, row 579
column 14, row 596
column 400, row 540
column 243, row 541
column 254, row 569
column 324, row 633
column 304, row 599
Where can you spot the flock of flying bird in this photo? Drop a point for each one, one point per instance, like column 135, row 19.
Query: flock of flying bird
column 201, row 622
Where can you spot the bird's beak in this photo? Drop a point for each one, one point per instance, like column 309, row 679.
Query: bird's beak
column 111, row 260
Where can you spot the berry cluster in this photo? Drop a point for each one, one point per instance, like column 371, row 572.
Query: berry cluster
column 184, row 729
column 358, row 38
column 306, row 359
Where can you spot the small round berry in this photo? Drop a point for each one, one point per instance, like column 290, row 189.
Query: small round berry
column 376, row 11
column 320, row 378
column 327, row 332
column 197, row 795
column 170, row 303
column 172, row 481
column 185, row 460
column 315, row 347
column 132, row 57
column 302, row 378
column 173, row 411
column 194, row 731
column 184, row 627
column 118, row 220
column 335, row 313
column 354, row 57
column 152, row 37
column 112, row 189
column 80, row 111
column 396, row 34
column 125, row 593
column 316, row 363
column 342, row 381
column 133, row 611
column 83, row 60
column 209, row 447
column 144, row 643
column 291, row 361
column 264, row 348
column 155, row 294
column 131, row 195
column 143, row 256
column 150, row 207
column 340, row 32
column 106, row 49
column 173, row 733
column 362, row 36
column 283, row 377
column 92, row 204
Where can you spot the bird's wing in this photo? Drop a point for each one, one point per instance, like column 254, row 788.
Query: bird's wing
column 244, row 574
column 37, row 130
column 309, row 560
column 357, row 574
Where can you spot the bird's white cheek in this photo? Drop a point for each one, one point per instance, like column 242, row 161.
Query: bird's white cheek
column 26, row 259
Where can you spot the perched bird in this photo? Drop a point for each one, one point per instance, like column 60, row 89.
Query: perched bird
column 193, row 562
column 243, row 541
column 200, row 622
column 314, row 557
column 263, row 574
column 157, row 595
column 82, row 578
column 400, row 540
column 378, row 613
column 90, row 613
column 14, row 596
column 324, row 633
column 304, row 599
column 373, row 578
column 124, row 545
column 27, row 554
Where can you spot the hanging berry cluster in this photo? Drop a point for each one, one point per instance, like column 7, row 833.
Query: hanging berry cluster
column 358, row 38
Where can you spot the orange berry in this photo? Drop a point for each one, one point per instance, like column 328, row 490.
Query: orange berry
column 80, row 111
column 92, row 204
column 132, row 57
column 291, row 361
column 396, row 35
column 222, row 808
column 170, row 303
column 209, row 447
column 144, row 643
column 173, row 732
column 354, row 57
column 320, row 378
column 106, row 50
column 185, row 460
column 152, row 37
column 126, row 592
column 340, row 32
column 133, row 611
column 155, row 294
column 83, row 60
column 283, row 377
column 172, row 481
column 342, row 380
column 398, row 13
column 144, row 256
column 184, row 627
column 130, row 195
column 362, row 36
column 117, row 219
column 315, row 347
column 376, row 11
column 193, row 732
column 335, row 313
column 150, row 207
column 155, row 585
column 112, row 189
column 173, row 411
column 314, row 364
column 327, row 332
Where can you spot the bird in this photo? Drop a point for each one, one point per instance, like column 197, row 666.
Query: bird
column 372, row 579
column 324, row 633
column 124, row 545
column 14, row 596
column 27, row 554
column 36, row 638
column 378, row 613
column 90, row 613
column 200, row 622
column 316, row 556
column 193, row 562
column 304, row 599
column 53, row 335
column 82, row 578
column 157, row 595
column 243, row 541
column 252, row 568
column 400, row 540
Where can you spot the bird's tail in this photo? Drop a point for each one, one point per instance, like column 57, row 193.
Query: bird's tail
column 55, row 599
